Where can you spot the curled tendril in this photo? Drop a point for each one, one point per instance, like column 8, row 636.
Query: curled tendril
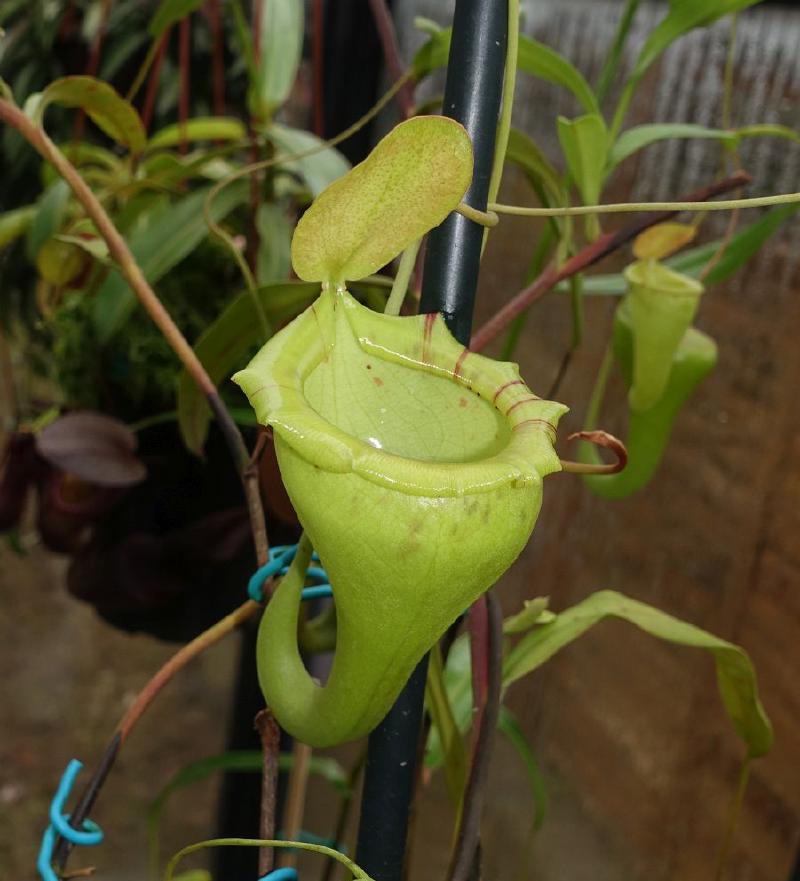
column 600, row 439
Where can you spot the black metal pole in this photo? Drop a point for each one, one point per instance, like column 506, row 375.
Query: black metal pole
column 472, row 96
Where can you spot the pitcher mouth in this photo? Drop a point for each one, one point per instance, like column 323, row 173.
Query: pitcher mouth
column 507, row 432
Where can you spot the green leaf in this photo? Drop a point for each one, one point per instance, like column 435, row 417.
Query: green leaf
column 545, row 63
column 634, row 139
column 533, row 58
column 318, row 169
column 83, row 156
column 170, row 12
column 736, row 677
column 683, row 16
column 15, row 223
column 509, row 726
column 51, row 210
column 201, row 128
column 741, row 248
column 432, row 54
column 94, row 246
column 523, row 151
column 458, row 684
column 170, row 236
column 407, row 185
column 533, row 612
column 193, row 875
column 279, row 55
column 768, row 130
column 275, row 238
column 227, row 342
column 454, row 753
column 102, row 104
column 585, row 144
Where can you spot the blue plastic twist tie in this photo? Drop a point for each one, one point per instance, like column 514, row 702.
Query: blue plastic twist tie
column 280, row 559
column 89, row 833
column 285, row 874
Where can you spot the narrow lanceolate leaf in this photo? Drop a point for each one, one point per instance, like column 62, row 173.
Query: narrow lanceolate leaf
column 458, row 684
column 407, row 185
column 225, row 345
column 275, row 236
column 545, row 63
column 523, row 151
column 509, row 726
column 201, row 128
column 170, row 236
column 318, row 165
column 768, row 130
column 15, row 223
column 278, row 54
column 170, row 12
column 51, row 210
column 454, row 753
column 736, row 677
column 683, row 16
column 634, row 139
column 534, row 58
column 102, row 104
column 741, row 248
column 585, row 144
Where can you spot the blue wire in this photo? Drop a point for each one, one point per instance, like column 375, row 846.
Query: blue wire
column 285, row 874
column 280, row 558
column 89, row 834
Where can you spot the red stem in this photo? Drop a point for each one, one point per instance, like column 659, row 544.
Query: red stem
column 317, row 62
column 479, row 656
column 391, row 54
column 152, row 84
column 587, row 256
column 184, row 61
column 94, row 62
column 217, row 58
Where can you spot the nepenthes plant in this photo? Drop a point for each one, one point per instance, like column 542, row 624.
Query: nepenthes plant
column 414, row 463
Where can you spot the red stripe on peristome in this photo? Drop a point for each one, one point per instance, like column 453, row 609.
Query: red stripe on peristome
column 505, row 386
column 530, row 399
column 430, row 318
column 543, row 422
column 460, row 363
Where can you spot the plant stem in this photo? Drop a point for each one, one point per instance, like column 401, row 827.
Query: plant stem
column 217, row 57
column 344, row 811
column 184, row 64
column 401, row 280
column 119, row 251
column 318, row 65
column 507, row 105
column 270, row 735
column 152, row 86
column 296, row 798
column 592, row 253
column 467, row 840
column 612, row 61
column 179, row 660
column 387, row 34
column 733, row 820
column 629, row 207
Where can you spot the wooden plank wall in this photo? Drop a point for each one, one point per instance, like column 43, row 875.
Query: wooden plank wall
column 640, row 760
